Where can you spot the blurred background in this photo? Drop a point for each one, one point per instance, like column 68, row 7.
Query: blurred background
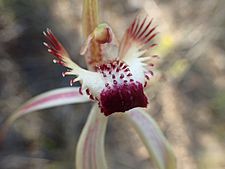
column 187, row 95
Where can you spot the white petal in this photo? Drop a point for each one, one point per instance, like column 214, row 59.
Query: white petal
column 156, row 144
column 90, row 153
column 53, row 98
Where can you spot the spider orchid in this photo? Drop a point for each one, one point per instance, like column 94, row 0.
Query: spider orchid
column 119, row 79
column 115, row 82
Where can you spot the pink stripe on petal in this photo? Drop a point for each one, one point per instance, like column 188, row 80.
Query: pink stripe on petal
column 50, row 98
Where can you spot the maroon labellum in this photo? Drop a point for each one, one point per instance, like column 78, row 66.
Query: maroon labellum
column 121, row 98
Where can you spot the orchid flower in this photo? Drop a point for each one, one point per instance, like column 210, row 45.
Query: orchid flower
column 115, row 83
